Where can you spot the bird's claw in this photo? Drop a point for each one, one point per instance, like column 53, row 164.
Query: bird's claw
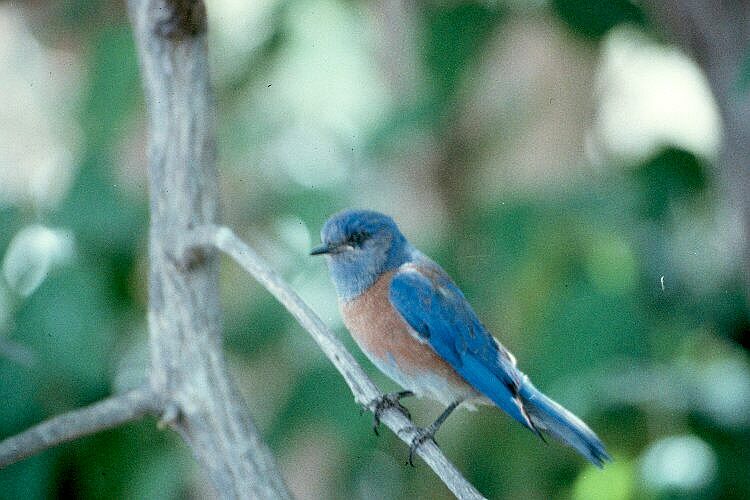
column 422, row 434
column 388, row 400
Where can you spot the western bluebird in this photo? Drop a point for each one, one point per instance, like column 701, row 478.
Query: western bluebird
column 416, row 326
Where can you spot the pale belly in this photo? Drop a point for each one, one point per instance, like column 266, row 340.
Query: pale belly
column 394, row 348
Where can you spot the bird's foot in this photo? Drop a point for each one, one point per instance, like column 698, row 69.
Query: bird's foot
column 422, row 434
column 428, row 433
column 388, row 400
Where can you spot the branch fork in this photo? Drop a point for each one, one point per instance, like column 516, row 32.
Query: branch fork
column 189, row 388
column 365, row 392
column 199, row 242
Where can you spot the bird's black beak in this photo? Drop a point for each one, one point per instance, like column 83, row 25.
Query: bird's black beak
column 321, row 250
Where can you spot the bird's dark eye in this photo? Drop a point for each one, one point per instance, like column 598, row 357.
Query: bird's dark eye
column 356, row 239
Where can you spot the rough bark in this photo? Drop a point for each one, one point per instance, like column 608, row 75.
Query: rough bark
column 188, row 368
column 100, row 416
column 189, row 387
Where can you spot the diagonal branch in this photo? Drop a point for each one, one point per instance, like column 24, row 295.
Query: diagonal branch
column 100, row 416
column 365, row 391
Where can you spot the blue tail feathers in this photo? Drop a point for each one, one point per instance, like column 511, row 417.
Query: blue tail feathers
column 555, row 420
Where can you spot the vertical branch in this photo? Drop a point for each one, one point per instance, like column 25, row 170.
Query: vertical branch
column 188, row 368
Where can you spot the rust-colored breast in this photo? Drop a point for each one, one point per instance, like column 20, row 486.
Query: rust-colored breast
column 381, row 333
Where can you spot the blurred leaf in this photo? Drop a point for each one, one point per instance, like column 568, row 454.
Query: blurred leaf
column 581, row 325
column 321, row 394
column 132, row 461
column 615, row 482
column 11, row 221
column 671, row 175
column 594, row 18
column 679, row 465
column 454, row 37
column 456, row 33
column 19, row 408
column 258, row 63
column 29, row 479
column 743, row 81
column 113, row 88
column 69, row 324
column 159, row 474
column 105, row 221
column 252, row 329
column 611, row 263
column 31, row 255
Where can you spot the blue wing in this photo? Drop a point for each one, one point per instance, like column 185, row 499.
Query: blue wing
column 435, row 308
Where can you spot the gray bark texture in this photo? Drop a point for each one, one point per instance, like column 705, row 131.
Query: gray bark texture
column 189, row 387
column 188, row 368
column 100, row 416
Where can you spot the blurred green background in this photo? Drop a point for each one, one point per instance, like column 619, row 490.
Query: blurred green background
column 555, row 157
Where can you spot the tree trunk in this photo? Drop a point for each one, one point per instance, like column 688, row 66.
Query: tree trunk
column 188, row 367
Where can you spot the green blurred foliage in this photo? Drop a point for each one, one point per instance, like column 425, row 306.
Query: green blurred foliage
column 743, row 83
column 453, row 41
column 570, row 281
column 593, row 18
column 455, row 36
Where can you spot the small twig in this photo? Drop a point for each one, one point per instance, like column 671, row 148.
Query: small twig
column 100, row 416
column 365, row 391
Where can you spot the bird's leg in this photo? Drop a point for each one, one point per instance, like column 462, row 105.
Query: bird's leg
column 389, row 400
column 423, row 434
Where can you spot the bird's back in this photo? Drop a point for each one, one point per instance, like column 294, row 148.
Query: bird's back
column 393, row 346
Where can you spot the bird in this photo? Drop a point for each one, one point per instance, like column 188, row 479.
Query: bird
column 416, row 326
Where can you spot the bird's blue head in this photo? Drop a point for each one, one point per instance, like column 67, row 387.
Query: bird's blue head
column 359, row 246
